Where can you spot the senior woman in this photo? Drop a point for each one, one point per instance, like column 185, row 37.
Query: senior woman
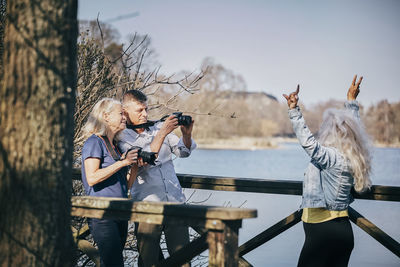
column 340, row 159
column 105, row 173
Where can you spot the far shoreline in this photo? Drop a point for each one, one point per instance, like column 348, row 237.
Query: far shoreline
column 243, row 143
column 257, row 143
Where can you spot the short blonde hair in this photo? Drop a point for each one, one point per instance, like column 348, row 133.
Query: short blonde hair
column 95, row 123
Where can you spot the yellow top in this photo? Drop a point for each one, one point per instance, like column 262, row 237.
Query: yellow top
column 318, row 215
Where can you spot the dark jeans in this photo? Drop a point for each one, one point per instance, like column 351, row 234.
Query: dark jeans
column 148, row 241
column 110, row 237
column 327, row 244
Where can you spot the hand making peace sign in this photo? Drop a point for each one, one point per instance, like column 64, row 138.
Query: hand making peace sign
column 354, row 89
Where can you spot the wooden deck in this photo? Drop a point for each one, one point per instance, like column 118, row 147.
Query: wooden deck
column 377, row 193
column 219, row 225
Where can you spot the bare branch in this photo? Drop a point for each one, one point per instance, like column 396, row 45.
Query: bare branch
column 101, row 32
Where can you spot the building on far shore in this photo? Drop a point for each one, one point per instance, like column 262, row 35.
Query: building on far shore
column 252, row 96
column 256, row 102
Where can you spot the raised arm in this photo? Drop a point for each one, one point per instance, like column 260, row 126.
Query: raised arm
column 170, row 124
column 181, row 147
column 187, row 134
column 323, row 156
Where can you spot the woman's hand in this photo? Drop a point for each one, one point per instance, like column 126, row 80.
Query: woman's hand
column 293, row 98
column 130, row 157
column 354, row 89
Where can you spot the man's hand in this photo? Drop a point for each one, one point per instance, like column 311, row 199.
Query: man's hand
column 187, row 129
column 293, row 98
column 187, row 134
column 354, row 89
column 170, row 124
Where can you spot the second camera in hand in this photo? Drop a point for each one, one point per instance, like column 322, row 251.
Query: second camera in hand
column 147, row 157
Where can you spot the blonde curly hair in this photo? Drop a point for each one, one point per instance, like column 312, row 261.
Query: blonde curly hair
column 341, row 130
column 95, row 123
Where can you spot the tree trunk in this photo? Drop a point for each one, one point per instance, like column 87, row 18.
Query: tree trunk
column 37, row 96
column 2, row 26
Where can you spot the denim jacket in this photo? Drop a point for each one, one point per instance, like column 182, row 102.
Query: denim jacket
column 327, row 179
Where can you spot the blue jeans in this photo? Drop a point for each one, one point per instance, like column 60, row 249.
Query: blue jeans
column 110, row 237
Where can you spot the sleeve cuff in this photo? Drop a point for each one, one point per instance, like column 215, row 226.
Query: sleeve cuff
column 183, row 148
column 295, row 112
column 353, row 104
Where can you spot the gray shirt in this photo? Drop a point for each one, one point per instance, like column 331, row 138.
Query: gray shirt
column 159, row 182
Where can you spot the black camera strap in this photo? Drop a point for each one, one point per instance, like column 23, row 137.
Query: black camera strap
column 146, row 124
column 110, row 148
column 143, row 125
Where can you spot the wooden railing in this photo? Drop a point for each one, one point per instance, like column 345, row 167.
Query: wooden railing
column 377, row 192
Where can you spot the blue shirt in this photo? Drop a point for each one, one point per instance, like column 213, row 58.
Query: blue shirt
column 114, row 186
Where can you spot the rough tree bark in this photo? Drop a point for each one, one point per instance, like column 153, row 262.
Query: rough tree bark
column 2, row 25
column 37, row 96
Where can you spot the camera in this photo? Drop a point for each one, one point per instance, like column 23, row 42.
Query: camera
column 184, row 120
column 148, row 157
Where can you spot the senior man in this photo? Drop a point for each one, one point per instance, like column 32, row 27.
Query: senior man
column 155, row 182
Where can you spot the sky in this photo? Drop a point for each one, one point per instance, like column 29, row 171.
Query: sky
column 273, row 45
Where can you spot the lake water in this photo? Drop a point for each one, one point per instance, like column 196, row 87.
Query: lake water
column 288, row 163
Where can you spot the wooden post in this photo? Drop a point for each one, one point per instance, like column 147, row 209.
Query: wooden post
column 223, row 245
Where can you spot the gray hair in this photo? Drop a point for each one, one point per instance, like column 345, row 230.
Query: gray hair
column 95, row 123
column 341, row 130
column 134, row 95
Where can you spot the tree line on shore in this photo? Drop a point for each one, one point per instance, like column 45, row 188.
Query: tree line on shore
column 215, row 96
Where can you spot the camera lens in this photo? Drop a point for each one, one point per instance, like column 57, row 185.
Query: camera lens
column 148, row 157
column 185, row 120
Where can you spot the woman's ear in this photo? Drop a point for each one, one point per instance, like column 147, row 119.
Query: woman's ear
column 106, row 117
